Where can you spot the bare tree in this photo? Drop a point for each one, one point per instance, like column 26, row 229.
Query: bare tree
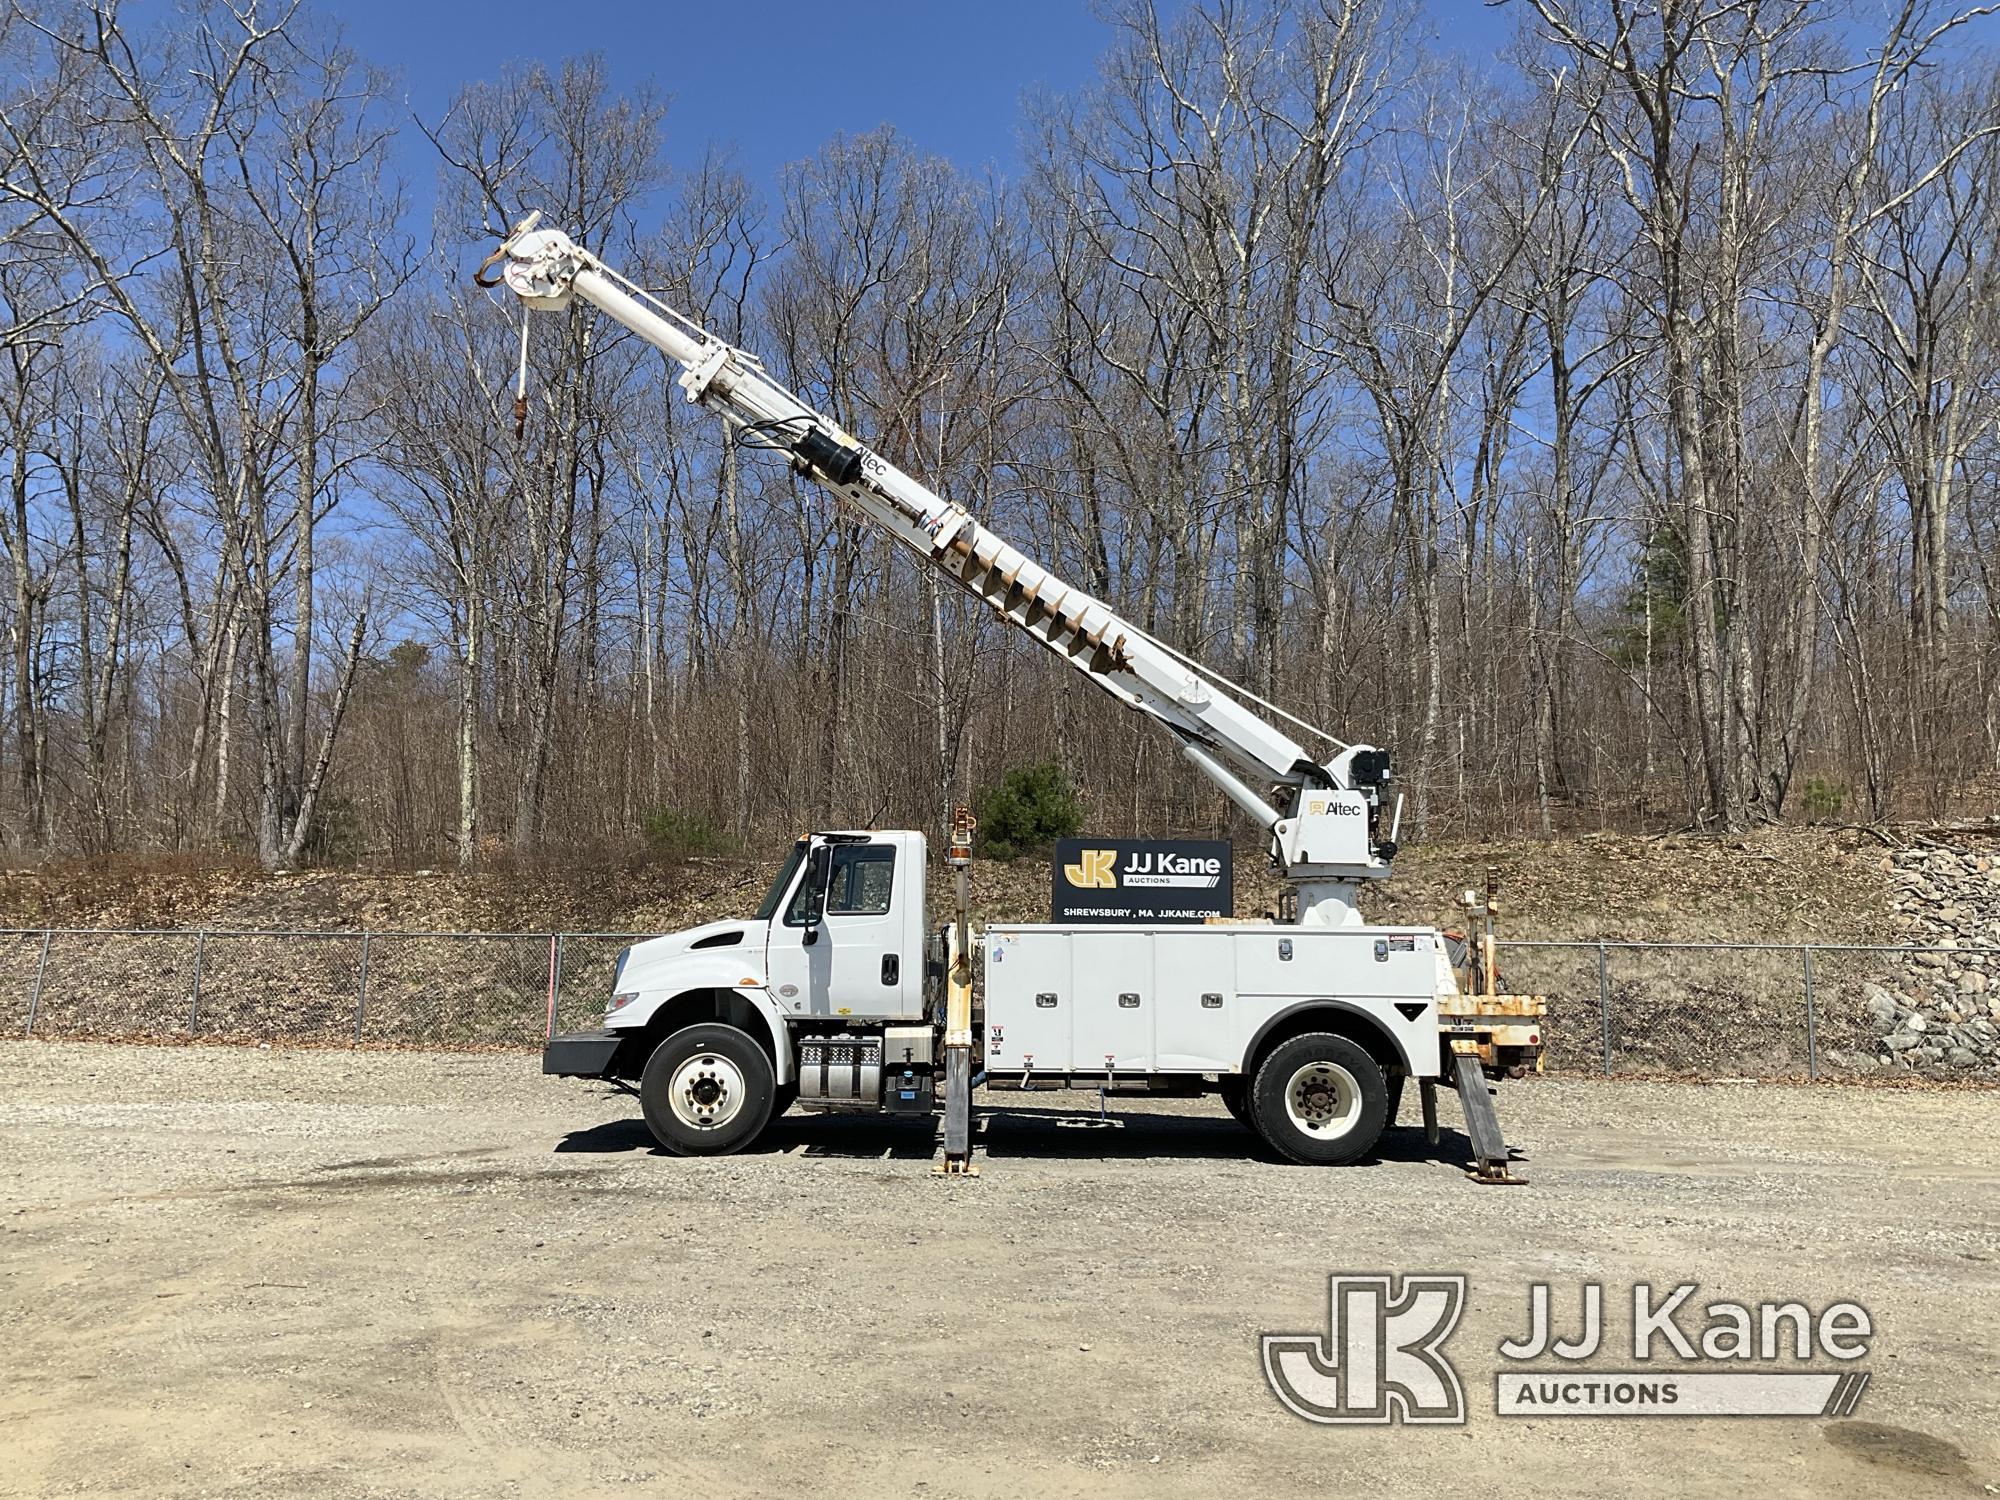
column 1611, row 427
column 562, row 142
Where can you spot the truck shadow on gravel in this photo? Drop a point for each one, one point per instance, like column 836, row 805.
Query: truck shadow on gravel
column 1023, row 1134
column 866, row 1136
column 1052, row 1134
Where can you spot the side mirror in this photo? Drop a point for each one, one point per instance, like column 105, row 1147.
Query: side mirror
column 819, row 870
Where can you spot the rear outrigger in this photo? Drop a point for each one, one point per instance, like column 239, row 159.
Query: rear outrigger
column 838, row 994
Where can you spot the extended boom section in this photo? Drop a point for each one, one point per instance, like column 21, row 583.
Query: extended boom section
column 1326, row 819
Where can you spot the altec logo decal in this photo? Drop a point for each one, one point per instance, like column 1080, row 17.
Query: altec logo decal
column 1382, row 1358
column 1335, row 807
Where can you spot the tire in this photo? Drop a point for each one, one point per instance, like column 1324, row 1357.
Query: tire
column 1319, row 1100
column 707, row 1091
column 1235, row 1095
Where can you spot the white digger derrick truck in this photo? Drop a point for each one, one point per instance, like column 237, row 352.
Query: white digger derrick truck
column 837, row 994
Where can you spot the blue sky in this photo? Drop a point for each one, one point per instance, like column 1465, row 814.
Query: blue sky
column 779, row 77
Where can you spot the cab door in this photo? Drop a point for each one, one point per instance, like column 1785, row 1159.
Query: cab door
column 862, row 933
column 849, row 963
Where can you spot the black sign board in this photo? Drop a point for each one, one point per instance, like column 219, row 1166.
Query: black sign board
column 1141, row 880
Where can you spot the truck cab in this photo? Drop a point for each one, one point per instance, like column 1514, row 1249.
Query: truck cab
column 836, row 943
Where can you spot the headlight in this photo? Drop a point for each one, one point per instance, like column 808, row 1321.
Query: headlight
column 621, row 1000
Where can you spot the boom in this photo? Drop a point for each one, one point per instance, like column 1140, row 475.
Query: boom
column 1326, row 834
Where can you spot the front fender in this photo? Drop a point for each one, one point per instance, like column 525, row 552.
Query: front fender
column 726, row 971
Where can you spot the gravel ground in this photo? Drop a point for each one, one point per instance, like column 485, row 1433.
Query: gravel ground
column 235, row 1272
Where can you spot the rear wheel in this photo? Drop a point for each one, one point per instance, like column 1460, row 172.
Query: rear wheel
column 1319, row 1099
column 707, row 1091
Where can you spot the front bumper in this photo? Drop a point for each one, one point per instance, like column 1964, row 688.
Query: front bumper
column 581, row 1054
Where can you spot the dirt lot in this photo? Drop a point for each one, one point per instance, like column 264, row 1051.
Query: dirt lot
column 233, row 1272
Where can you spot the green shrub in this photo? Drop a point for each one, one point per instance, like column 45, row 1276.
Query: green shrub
column 1029, row 810
column 676, row 835
column 1824, row 798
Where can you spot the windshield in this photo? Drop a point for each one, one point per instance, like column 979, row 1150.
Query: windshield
column 768, row 907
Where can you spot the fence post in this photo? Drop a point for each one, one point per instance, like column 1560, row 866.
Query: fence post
column 194, row 1009
column 41, row 968
column 1604, row 1002
column 555, row 980
column 361, row 993
column 1812, row 1013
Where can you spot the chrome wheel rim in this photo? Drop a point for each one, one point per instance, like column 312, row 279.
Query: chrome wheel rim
column 707, row 1091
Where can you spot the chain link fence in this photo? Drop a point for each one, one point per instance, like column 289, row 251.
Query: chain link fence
column 1763, row 1010
column 399, row 989
column 1712, row 1010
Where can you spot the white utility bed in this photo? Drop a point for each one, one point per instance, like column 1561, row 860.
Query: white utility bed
column 1135, row 1000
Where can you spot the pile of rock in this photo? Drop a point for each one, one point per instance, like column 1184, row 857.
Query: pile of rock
column 1941, row 1009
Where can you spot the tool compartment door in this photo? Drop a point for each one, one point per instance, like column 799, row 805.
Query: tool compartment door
column 1029, row 1001
column 1383, row 963
column 1112, row 973
column 1197, row 1024
column 1389, row 974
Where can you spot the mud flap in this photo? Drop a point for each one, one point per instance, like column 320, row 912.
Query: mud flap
column 1491, row 1163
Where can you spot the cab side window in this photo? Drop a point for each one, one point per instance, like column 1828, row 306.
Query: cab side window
column 863, row 876
column 795, row 909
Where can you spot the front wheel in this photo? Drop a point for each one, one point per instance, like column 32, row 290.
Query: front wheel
column 1319, row 1099
column 707, row 1091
